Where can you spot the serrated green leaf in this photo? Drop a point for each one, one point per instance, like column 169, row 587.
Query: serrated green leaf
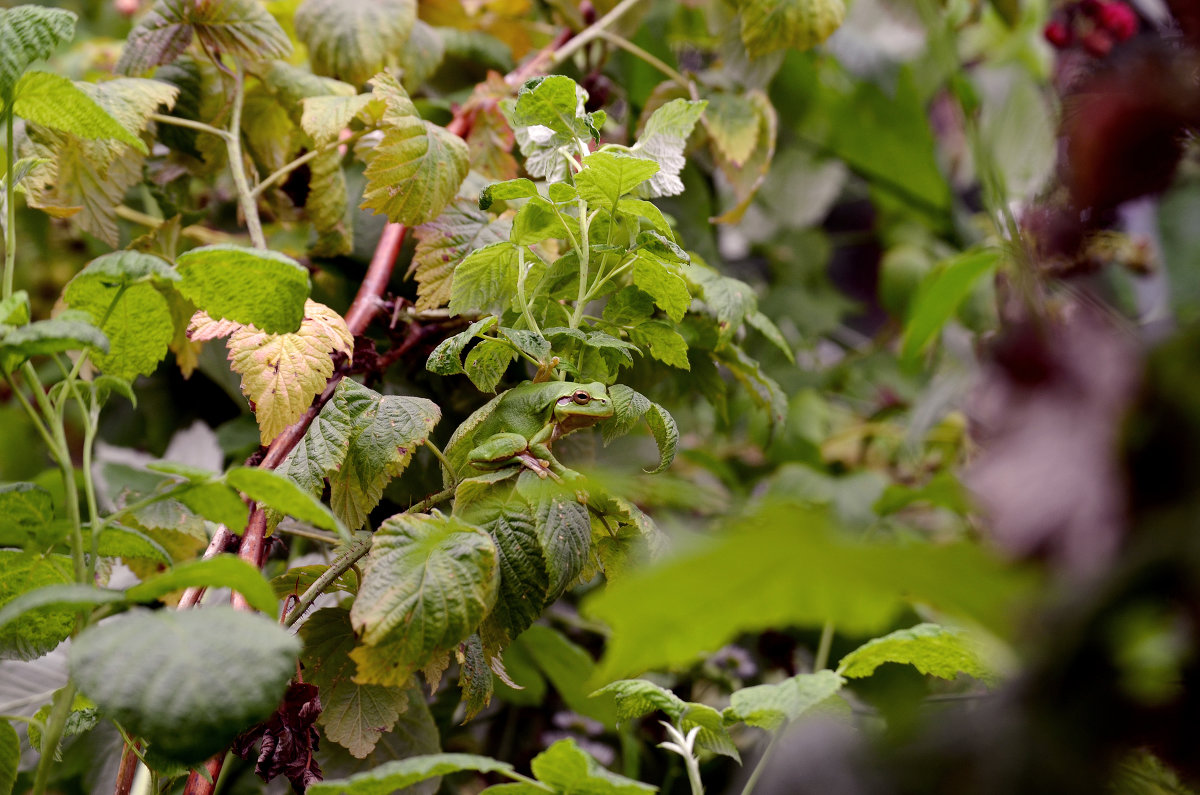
column 415, row 171
column 14, row 310
column 485, row 280
column 278, row 492
column 486, row 363
column 186, row 681
column 551, row 102
column 352, row 715
column 10, row 757
column 523, row 575
column 54, row 101
column 930, row 648
column 629, row 306
column 563, row 526
column 397, row 775
column 26, row 511
column 324, row 118
column 446, row 357
column 765, row 390
column 83, row 180
column 629, row 406
column 941, row 292
column 360, row 440
column 120, row 292
column 326, row 206
column 649, row 211
column 72, row 595
column 666, row 435
column 668, row 289
column 531, row 343
column 82, row 718
column 443, row 242
column 218, row 503
column 384, row 433
column 34, row 633
column 507, row 190
column 858, row 586
column 221, row 571
column 474, row 676
column 771, row 706
column 768, row 329
column 354, row 40
column 239, row 28
column 539, row 220
column 251, row 286
column 727, row 300
column 637, row 697
column 116, row 541
column 769, row 25
column 71, row 331
column 427, row 584
column 663, row 342
column 663, row 140
column 29, row 33
column 713, row 736
column 607, row 176
column 568, row 768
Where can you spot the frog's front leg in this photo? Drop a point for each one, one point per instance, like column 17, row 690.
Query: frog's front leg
column 507, row 449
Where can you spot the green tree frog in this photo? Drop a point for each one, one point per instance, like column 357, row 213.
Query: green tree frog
column 518, row 427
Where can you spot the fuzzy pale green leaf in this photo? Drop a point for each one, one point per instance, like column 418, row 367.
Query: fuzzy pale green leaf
column 121, row 293
column 251, row 286
column 663, row 140
column 187, row 681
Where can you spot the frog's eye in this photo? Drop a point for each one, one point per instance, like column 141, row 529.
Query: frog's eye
column 582, row 398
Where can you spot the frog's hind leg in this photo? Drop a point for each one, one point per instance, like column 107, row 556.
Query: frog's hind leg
column 540, row 466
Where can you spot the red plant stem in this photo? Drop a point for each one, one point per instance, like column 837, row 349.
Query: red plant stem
column 126, row 771
column 198, row 785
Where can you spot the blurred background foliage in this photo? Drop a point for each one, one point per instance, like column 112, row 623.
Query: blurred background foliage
column 974, row 425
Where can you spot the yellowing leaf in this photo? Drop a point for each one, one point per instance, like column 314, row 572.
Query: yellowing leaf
column 769, row 25
column 415, row 171
column 281, row 373
column 353, row 39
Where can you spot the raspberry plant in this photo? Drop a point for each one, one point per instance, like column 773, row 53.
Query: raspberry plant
column 648, row 462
